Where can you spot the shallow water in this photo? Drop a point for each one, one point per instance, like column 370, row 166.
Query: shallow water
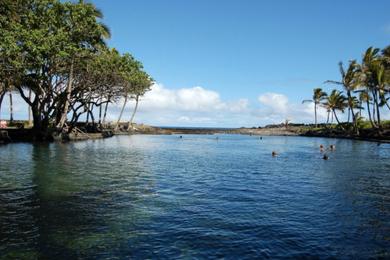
column 196, row 197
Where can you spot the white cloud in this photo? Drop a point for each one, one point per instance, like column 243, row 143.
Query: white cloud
column 277, row 103
column 276, row 108
column 186, row 106
column 188, row 99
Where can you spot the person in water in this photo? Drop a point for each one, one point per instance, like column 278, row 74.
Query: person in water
column 332, row 147
column 274, row 154
column 325, row 157
column 321, row 148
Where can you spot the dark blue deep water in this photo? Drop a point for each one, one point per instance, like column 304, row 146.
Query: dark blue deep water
column 197, row 197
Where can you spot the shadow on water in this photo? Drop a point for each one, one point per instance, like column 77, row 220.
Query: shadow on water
column 70, row 202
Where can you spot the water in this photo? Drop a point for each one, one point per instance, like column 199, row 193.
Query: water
column 196, row 197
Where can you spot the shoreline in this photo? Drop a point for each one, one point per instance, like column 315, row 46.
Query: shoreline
column 12, row 135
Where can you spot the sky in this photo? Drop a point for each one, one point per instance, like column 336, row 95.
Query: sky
column 226, row 63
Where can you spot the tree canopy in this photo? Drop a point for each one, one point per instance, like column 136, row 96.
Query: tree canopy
column 57, row 52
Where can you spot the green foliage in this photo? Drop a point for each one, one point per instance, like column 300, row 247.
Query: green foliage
column 57, row 50
column 367, row 87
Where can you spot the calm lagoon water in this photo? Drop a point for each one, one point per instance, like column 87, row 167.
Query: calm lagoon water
column 197, row 197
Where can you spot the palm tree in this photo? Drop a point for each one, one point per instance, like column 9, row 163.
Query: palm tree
column 369, row 80
column 350, row 82
column 318, row 96
column 335, row 101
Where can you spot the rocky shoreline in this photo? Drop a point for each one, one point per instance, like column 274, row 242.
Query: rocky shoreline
column 275, row 131
column 24, row 135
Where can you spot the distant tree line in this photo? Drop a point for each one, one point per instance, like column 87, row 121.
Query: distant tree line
column 364, row 86
column 54, row 54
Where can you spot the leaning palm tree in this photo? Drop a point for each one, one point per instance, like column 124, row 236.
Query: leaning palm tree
column 335, row 101
column 318, row 96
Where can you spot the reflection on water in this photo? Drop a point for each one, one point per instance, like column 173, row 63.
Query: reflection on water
column 166, row 197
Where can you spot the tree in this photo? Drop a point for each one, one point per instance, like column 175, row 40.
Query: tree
column 369, row 81
column 84, row 33
column 129, row 71
column 142, row 84
column 335, row 101
column 318, row 96
column 349, row 81
column 55, row 38
column 53, row 53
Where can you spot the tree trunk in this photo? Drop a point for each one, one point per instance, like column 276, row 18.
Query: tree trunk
column 337, row 119
column 120, row 115
column 315, row 114
column 378, row 114
column 1, row 101
column 369, row 114
column 92, row 116
column 350, row 104
column 335, row 116
column 100, row 114
column 40, row 125
column 135, row 110
column 105, row 113
column 11, row 108
column 327, row 118
column 387, row 104
column 29, row 109
column 88, row 111
column 64, row 114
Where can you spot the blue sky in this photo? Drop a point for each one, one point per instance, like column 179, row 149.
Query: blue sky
column 237, row 47
column 241, row 50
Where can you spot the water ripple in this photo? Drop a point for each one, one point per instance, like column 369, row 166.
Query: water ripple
column 165, row 197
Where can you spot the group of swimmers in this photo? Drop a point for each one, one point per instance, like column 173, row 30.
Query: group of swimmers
column 332, row 147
